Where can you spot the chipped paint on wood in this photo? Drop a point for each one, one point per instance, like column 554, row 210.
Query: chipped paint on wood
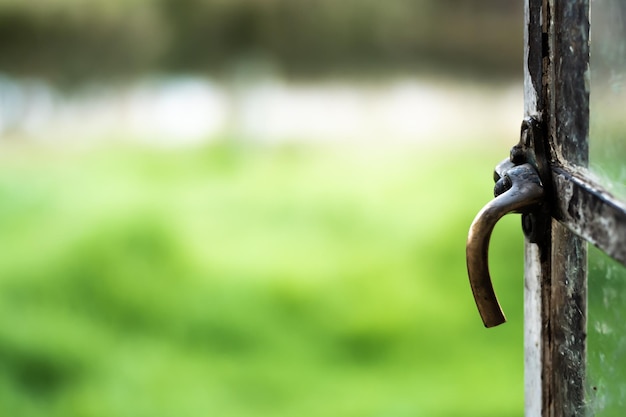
column 564, row 285
column 532, row 331
column 587, row 209
column 534, row 270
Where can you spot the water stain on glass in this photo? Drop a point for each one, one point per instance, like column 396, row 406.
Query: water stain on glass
column 606, row 336
column 606, row 327
column 608, row 94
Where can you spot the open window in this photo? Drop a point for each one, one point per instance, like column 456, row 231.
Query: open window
column 566, row 372
column 575, row 251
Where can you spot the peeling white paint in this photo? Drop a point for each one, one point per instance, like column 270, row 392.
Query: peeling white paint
column 532, row 332
column 530, row 95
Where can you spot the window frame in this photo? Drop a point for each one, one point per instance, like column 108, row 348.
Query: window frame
column 556, row 92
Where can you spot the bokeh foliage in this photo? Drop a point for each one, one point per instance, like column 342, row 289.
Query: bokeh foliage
column 251, row 282
column 70, row 40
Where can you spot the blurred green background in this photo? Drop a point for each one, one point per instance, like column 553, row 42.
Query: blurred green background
column 70, row 40
column 238, row 278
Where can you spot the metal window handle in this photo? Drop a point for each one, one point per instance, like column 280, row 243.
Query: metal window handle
column 518, row 190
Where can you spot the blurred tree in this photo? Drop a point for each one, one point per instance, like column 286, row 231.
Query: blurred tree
column 67, row 39
column 70, row 41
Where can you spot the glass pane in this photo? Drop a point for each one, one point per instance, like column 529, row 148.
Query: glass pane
column 608, row 93
column 606, row 333
column 606, row 327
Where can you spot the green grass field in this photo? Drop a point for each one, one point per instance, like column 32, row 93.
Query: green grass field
column 221, row 281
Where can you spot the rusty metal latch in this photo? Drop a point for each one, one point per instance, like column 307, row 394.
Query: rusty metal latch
column 518, row 189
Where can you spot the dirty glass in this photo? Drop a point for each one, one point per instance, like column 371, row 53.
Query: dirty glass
column 606, row 336
column 606, row 327
column 608, row 94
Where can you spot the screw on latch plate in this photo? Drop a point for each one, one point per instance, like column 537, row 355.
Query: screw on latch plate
column 518, row 189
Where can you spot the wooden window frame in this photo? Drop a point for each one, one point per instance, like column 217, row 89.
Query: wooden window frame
column 556, row 92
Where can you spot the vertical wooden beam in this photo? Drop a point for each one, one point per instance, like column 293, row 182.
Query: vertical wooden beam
column 535, row 269
column 568, row 78
column 533, row 332
column 567, row 324
column 564, row 270
column 568, row 134
column 556, row 92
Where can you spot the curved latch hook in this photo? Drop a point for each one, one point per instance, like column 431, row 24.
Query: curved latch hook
column 518, row 190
